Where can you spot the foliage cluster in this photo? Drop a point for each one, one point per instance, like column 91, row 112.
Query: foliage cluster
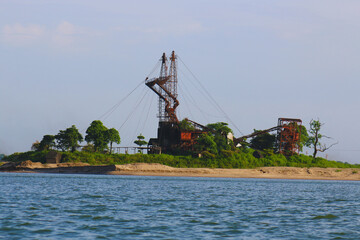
column 35, row 156
column 97, row 136
column 140, row 140
column 215, row 140
column 225, row 159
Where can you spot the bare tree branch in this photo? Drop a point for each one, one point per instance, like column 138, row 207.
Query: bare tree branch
column 324, row 148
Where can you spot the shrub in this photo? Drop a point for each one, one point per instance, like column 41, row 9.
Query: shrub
column 242, row 158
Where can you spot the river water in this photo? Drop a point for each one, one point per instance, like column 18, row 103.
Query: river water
column 54, row 206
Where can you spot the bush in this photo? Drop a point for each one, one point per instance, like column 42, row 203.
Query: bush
column 242, row 158
column 34, row 156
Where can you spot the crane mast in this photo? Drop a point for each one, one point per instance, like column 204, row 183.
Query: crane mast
column 171, row 137
column 165, row 86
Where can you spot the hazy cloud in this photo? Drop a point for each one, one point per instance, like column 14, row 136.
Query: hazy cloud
column 20, row 34
column 178, row 29
column 65, row 34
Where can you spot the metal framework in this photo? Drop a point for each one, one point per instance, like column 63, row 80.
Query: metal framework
column 288, row 135
column 165, row 86
column 163, row 75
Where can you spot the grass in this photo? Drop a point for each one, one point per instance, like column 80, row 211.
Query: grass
column 227, row 159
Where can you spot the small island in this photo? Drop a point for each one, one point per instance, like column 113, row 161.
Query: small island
column 185, row 147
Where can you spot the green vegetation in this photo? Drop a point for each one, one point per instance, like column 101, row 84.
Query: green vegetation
column 185, row 125
column 113, row 136
column 220, row 131
column 46, row 143
column 226, row 159
column 97, row 137
column 97, row 134
column 215, row 148
column 206, row 142
column 35, row 156
column 313, row 140
column 263, row 141
column 140, row 140
column 68, row 139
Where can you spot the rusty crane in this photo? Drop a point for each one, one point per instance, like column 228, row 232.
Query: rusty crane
column 171, row 138
column 287, row 138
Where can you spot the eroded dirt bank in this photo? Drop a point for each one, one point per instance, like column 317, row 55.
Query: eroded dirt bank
column 155, row 169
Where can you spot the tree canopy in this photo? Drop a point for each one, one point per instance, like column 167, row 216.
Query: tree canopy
column 216, row 139
column 98, row 135
column 207, row 143
column 263, row 141
column 186, row 125
column 68, row 139
column 220, row 131
column 140, row 140
column 113, row 136
column 47, row 143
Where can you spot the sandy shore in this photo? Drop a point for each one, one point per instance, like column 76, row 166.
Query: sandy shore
column 155, row 169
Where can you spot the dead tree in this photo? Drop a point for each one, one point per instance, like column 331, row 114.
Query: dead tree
column 315, row 136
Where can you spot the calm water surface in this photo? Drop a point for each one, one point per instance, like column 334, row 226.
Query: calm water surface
column 52, row 206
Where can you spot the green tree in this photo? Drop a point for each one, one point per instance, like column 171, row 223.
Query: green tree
column 97, row 134
column 88, row 148
column 113, row 136
column 263, row 141
column 68, row 139
column 315, row 136
column 140, row 140
column 35, row 146
column 207, row 143
column 304, row 137
column 220, row 131
column 185, row 125
column 47, row 142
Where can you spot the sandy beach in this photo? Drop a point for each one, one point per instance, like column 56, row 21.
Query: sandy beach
column 155, row 169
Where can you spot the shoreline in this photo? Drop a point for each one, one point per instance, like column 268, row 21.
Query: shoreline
column 155, row 169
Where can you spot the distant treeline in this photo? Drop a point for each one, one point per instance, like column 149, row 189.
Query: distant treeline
column 226, row 159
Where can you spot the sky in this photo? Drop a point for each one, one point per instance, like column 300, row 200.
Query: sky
column 66, row 63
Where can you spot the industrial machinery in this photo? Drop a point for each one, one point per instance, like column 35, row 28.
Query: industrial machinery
column 170, row 138
column 173, row 138
column 288, row 135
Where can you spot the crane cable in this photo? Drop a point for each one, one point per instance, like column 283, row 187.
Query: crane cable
column 141, row 114
column 227, row 117
column 113, row 108
column 137, row 105
column 194, row 102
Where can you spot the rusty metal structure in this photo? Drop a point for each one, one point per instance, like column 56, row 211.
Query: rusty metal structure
column 165, row 86
column 287, row 138
column 288, row 135
column 170, row 137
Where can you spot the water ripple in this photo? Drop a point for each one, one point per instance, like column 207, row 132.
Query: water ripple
column 54, row 206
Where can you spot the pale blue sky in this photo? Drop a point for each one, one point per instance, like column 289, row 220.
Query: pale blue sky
column 68, row 62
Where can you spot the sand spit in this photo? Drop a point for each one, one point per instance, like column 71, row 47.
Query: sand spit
column 155, row 169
